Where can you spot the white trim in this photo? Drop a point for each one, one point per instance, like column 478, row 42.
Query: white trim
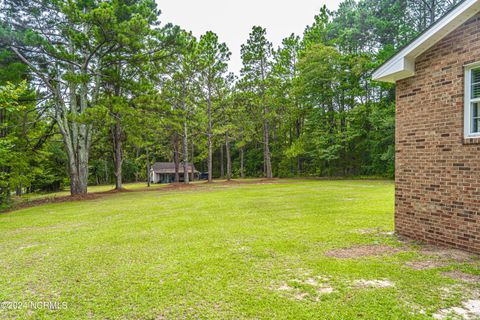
column 402, row 65
column 468, row 117
column 472, row 65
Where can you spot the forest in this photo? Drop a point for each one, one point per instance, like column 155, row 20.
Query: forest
column 95, row 92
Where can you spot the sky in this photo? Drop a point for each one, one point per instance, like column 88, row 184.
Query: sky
column 233, row 20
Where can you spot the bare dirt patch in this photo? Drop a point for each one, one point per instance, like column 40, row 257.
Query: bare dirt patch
column 362, row 251
column 309, row 281
column 325, row 290
column 362, row 283
column 446, row 253
column 447, row 292
column 427, row 264
column 387, row 233
column 368, row 231
column 28, row 246
column 440, row 257
column 375, row 231
column 312, row 288
column 466, row 277
column 285, row 287
column 300, row 295
column 468, row 310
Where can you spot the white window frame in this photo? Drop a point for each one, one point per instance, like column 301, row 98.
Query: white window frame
column 468, row 121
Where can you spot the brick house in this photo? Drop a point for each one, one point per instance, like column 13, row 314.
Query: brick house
column 437, row 80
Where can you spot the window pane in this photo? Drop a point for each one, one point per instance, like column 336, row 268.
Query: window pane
column 475, row 117
column 476, row 83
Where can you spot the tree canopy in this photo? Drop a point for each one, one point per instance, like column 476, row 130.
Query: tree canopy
column 94, row 92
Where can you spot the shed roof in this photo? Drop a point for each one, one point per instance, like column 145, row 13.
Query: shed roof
column 169, row 167
column 402, row 64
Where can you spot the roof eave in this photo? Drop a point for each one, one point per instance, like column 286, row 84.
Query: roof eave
column 398, row 69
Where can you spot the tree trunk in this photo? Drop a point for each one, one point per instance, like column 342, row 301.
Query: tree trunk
column 267, row 163
column 229, row 159
column 4, row 185
column 117, row 152
column 193, row 158
column 76, row 135
column 137, row 155
column 105, row 165
column 78, row 165
column 176, row 159
column 297, row 135
column 242, row 163
column 210, row 142
column 267, row 156
column 264, row 157
column 185, row 150
column 3, row 129
column 222, row 165
column 18, row 190
column 148, row 169
column 78, row 180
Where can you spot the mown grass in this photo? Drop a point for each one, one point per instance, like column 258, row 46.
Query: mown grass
column 221, row 251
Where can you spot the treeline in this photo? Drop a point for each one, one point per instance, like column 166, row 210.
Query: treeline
column 96, row 91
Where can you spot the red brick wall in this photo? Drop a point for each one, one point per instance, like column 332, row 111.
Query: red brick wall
column 437, row 171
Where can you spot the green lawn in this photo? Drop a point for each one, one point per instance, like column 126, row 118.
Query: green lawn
column 222, row 251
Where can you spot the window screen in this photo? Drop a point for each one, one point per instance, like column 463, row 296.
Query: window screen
column 475, row 117
column 475, row 84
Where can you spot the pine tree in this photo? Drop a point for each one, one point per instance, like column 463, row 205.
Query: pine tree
column 256, row 57
column 212, row 57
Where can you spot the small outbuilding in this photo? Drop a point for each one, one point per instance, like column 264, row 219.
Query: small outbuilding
column 164, row 172
column 437, row 80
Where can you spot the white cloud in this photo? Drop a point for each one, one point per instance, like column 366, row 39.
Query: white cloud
column 233, row 20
